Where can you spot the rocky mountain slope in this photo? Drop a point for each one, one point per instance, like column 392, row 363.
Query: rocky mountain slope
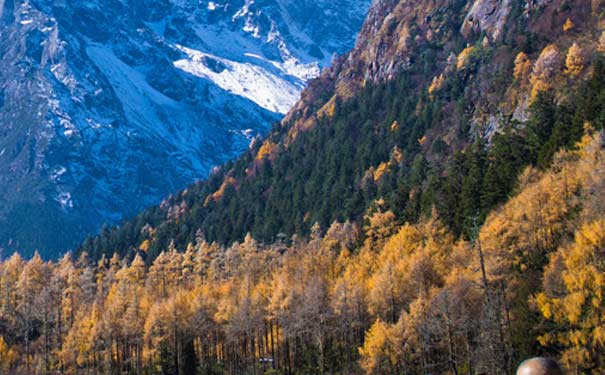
column 439, row 107
column 106, row 107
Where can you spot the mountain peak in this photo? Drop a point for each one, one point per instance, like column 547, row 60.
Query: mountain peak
column 107, row 108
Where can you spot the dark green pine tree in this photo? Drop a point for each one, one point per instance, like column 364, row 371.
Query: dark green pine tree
column 540, row 127
column 470, row 196
column 507, row 156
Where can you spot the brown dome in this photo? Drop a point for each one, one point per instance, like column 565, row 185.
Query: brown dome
column 539, row 366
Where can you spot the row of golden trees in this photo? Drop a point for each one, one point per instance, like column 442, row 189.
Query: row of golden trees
column 383, row 298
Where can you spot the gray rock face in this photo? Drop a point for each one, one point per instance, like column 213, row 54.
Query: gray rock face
column 487, row 15
column 108, row 106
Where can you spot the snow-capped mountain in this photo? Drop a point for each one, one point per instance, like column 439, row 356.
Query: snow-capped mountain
column 108, row 106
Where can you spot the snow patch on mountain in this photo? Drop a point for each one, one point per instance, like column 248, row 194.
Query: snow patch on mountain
column 137, row 96
column 244, row 79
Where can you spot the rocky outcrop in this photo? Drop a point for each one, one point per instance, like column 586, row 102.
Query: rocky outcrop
column 393, row 35
column 487, row 15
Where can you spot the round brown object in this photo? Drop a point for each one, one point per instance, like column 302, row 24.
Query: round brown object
column 539, row 366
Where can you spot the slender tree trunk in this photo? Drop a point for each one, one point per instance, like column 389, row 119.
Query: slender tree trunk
column 450, row 343
column 176, row 351
column 253, row 355
column 275, row 363
column 289, row 364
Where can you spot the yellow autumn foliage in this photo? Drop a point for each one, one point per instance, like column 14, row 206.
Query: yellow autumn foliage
column 436, row 85
column 380, row 171
column 581, row 308
column 7, row 356
column 266, row 150
column 377, row 353
column 568, row 25
column 574, row 62
column 398, row 297
column 463, row 57
column 522, row 68
column 144, row 246
column 229, row 181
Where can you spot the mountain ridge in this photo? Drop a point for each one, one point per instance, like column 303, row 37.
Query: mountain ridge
column 109, row 108
column 424, row 93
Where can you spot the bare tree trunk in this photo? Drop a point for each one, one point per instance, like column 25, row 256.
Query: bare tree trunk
column 176, row 350
column 272, row 344
column 492, row 307
column 450, row 343
column 288, row 362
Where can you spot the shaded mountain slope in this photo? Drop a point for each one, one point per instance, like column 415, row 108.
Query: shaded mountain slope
column 107, row 107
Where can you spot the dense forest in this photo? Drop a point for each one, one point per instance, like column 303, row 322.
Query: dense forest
column 378, row 298
column 446, row 216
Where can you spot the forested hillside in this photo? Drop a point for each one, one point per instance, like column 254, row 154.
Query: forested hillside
column 430, row 110
column 407, row 299
column 433, row 204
